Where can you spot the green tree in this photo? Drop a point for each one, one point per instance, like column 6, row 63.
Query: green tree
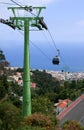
column 42, row 105
column 45, row 82
column 4, row 86
column 30, row 128
column 40, row 122
column 3, row 61
column 9, row 116
column 2, row 56
column 72, row 125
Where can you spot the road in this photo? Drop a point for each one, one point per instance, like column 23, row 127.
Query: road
column 74, row 112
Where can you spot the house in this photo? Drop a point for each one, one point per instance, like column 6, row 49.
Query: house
column 1, row 72
column 33, row 85
column 61, row 105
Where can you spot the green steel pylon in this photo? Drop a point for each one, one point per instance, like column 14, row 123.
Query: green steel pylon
column 24, row 23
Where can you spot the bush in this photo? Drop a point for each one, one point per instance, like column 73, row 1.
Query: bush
column 39, row 121
column 72, row 125
column 31, row 128
column 9, row 116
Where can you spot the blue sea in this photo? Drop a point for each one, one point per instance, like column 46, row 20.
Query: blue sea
column 41, row 55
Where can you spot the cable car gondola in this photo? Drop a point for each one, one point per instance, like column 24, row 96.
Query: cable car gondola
column 55, row 60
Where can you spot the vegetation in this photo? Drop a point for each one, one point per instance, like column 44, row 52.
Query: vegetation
column 9, row 116
column 55, row 90
column 3, row 62
column 72, row 125
column 40, row 121
column 48, row 91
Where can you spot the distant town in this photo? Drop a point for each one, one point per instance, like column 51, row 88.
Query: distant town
column 60, row 75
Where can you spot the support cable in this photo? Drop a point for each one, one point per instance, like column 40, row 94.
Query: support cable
column 41, row 22
column 28, row 10
column 6, row 3
column 47, row 39
column 16, row 3
column 52, row 39
column 40, row 50
column 37, row 47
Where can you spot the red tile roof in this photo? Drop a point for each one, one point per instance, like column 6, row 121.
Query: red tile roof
column 63, row 103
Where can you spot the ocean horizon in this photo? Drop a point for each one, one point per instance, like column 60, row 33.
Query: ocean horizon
column 41, row 55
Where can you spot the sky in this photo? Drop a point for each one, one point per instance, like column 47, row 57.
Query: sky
column 64, row 19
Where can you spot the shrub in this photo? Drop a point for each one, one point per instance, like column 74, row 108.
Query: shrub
column 30, row 128
column 9, row 116
column 72, row 125
column 39, row 121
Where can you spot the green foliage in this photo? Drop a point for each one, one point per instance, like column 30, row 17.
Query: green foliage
column 4, row 86
column 9, row 116
column 52, row 89
column 48, row 91
column 39, row 121
column 19, row 70
column 31, row 128
column 3, row 62
column 15, row 91
column 72, row 125
column 15, row 88
column 42, row 105
column 15, row 100
column 2, row 91
column 45, row 82
column 2, row 56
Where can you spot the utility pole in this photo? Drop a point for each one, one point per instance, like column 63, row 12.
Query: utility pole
column 24, row 23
